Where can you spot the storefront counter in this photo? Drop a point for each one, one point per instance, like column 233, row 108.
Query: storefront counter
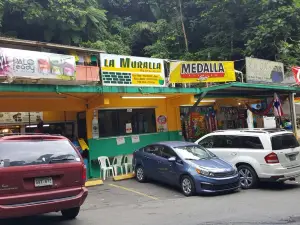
column 113, row 146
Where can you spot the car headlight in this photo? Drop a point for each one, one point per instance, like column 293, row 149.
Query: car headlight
column 204, row 172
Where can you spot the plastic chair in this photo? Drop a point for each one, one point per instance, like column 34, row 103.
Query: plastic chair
column 128, row 163
column 117, row 163
column 103, row 162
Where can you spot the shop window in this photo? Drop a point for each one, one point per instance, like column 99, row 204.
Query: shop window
column 126, row 122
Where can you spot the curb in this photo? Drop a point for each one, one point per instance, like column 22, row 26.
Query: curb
column 124, row 177
column 92, row 183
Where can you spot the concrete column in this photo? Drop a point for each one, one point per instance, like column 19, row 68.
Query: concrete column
column 293, row 113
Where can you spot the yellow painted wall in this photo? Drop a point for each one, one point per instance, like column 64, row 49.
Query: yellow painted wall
column 168, row 107
column 52, row 116
column 29, row 102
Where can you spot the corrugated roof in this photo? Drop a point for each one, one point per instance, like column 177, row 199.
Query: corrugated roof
column 15, row 41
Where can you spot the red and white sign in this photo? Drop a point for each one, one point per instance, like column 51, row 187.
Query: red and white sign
column 296, row 72
column 162, row 123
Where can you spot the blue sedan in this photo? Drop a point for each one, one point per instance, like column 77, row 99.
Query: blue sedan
column 186, row 165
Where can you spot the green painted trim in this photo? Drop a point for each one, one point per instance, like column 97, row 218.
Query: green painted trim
column 209, row 96
column 108, row 147
column 39, row 88
column 287, row 89
column 265, row 86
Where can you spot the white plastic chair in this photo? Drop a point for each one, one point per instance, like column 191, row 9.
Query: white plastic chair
column 117, row 163
column 105, row 166
column 128, row 163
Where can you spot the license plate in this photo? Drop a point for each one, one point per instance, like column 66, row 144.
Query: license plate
column 43, row 182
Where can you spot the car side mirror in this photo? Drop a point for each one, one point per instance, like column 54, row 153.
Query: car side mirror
column 172, row 159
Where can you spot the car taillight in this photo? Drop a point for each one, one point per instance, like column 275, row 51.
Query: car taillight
column 83, row 174
column 271, row 158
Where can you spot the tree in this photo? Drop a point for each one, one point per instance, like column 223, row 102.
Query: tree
column 61, row 21
column 172, row 29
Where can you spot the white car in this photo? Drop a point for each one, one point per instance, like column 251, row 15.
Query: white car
column 258, row 154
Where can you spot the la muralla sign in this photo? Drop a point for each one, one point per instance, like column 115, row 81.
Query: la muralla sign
column 118, row 70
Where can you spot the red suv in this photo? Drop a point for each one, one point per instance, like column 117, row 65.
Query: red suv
column 40, row 174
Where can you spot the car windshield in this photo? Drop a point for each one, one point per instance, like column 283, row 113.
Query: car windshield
column 194, row 152
column 24, row 153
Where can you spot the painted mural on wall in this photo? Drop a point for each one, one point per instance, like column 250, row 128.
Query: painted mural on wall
column 120, row 70
column 201, row 120
column 36, row 65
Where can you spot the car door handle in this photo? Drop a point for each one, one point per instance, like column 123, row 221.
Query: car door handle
column 233, row 153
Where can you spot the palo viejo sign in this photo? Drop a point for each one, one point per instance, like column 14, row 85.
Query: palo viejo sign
column 194, row 72
column 120, row 70
column 36, row 65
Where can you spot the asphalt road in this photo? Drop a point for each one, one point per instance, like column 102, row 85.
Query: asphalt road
column 131, row 203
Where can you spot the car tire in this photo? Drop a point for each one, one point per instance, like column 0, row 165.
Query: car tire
column 140, row 174
column 187, row 186
column 248, row 177
column 70, row 214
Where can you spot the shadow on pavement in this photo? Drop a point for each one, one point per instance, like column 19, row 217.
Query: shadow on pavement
column 47, row 219
column 167, row 187
column 278, row 186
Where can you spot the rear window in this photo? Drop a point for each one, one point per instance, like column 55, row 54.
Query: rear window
column 23, row 153
column 284, row 141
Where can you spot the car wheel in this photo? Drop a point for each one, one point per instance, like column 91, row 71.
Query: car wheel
column 140, row 174
column 187, row 186
column 248, row 177
column 70, row 214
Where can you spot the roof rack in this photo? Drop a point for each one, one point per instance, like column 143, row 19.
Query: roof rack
column 16, row 134
column 254, row 130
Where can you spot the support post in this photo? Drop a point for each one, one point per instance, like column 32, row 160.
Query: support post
column 293, row 114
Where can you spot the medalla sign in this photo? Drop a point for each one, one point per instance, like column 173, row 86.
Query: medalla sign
column 206, row 71
column 120, row 70
column 32, row 64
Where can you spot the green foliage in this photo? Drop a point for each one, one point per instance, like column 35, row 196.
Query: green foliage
column 173, row 29
column 64, row 21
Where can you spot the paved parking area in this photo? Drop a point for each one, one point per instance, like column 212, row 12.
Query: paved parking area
column 131, row 203
column 131, row 192
column 128, row 192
